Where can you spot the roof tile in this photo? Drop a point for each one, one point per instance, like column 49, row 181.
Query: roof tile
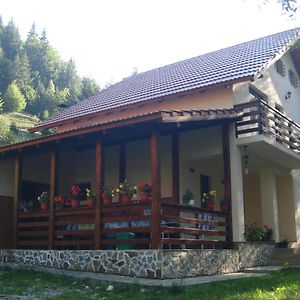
column 236, row 62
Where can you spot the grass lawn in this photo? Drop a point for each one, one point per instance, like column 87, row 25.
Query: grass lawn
column 284, row 284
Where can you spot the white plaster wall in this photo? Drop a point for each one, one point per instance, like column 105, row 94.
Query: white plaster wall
column 76, row 167
column 111, row 165
column 200, row 153
column 252, row 199
column 285, row 203
column 296, row 189
column 7, row 177
column 36, row 168
column 275, row 87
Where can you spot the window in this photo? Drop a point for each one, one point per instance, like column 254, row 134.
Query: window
column 280, row 68
column 293, row 79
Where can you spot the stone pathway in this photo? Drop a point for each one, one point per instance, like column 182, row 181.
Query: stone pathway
column 250, row 272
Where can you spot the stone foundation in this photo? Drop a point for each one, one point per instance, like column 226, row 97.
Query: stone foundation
column 161, row 264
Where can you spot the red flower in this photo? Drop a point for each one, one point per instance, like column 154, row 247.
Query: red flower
column 75, row 190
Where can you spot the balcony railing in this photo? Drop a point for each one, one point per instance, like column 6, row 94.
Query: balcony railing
column 260, row 118
column 124, row 227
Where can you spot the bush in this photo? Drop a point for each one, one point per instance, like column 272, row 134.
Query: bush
column 253, row 233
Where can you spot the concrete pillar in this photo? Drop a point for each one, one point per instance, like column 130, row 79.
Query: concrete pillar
column 296, row 186
column 269, row 201
column 237, row 195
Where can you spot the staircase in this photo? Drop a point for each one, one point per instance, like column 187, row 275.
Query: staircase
column 285, row 257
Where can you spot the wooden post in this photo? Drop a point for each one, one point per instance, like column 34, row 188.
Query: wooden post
column 17, row 196
column 53, row 192
column 99, row 184
column 175, row 168
column 227, row 182
column 122, row 162
column 155, row 183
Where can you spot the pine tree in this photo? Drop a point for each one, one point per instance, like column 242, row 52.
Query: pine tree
column 11, row 40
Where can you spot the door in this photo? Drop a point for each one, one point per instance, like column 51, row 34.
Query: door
column 6, row 218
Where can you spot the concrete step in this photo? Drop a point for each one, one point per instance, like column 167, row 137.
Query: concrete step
column 283, row 262
column 286, row 256
column 284, row 250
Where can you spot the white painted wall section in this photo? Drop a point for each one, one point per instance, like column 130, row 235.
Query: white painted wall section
column 237, row 195
column 269, row 200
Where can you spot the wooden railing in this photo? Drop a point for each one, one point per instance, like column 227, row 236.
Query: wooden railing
column 124, row 227
column 33, row 229
column 260, row 118
column 192, row 227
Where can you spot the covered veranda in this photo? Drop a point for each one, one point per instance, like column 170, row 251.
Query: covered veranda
column 169, row 145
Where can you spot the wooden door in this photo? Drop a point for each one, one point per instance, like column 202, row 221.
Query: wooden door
column 6, row 218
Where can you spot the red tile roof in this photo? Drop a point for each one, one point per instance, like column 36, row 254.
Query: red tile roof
column 238, row 62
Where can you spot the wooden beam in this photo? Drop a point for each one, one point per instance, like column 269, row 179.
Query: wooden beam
column 17, row 196
column 175, row 168
column 53, row 192
column 156, row 197
column 227, row 181
column 122, row 162
column 99, row 183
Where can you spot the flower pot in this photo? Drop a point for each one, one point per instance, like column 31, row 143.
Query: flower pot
column 75, row 203
column 44, row 206
column 144, row 197
column 106, row 200
column 211, row 204
column 126, row 199
column 90, row 202
column 224, row 207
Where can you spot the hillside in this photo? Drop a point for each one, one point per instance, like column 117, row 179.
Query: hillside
column 35, row 82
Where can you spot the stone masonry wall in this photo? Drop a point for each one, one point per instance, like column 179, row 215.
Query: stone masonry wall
column 160, row 264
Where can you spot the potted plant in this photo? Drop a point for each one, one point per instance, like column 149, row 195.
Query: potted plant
column 107, row 194
column 144, row 191
column 254, row 233
column 75, row 190
column 59, row 202
column 90, row 198
column 44, row 200
column 188, row 198
column 208, row 200
column 126, row 191
column 268, row 233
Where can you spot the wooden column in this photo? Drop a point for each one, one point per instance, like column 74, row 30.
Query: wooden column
column 17, row 196
column 175, row 168
column 227, row 182
column 52, row 194
column 155, row 183
column 99, row 184
column 122, row 162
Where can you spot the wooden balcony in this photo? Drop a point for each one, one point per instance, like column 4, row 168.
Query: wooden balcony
column 261, row 119
column 123, row 227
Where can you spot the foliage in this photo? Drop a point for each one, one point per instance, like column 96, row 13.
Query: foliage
column 211, row 195
column 34, row 77
column 144, row 188
column 254, row 233
column 13, row 98
column 187, row 196
column 108, row 190
column 283, row 284
column 125, row 188
column 90, row 194
column 44, row 197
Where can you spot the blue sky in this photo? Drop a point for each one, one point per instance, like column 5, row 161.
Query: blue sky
column 108, row 39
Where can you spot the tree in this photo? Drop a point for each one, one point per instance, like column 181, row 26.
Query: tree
column 89, row 87
column 13, row 98
column 11, row 40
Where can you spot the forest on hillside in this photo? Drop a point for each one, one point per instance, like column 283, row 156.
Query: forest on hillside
column 35, row 82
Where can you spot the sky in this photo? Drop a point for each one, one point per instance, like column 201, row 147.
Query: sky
column 108, row 39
